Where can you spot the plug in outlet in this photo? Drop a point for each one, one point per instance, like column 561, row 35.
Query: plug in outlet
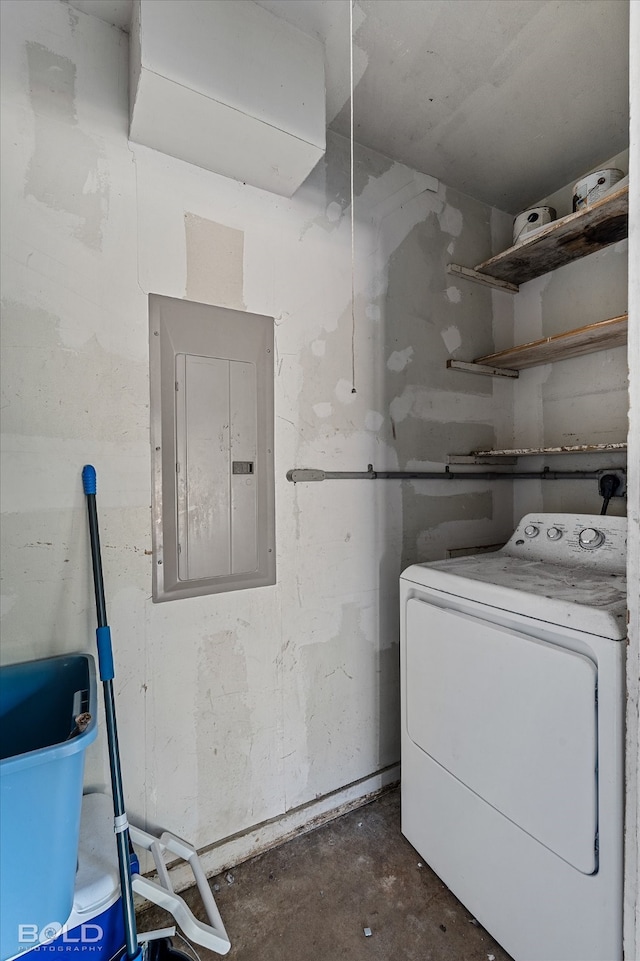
column 609, row 484
column 620, row 489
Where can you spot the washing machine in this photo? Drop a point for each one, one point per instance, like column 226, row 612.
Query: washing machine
column 512, row 676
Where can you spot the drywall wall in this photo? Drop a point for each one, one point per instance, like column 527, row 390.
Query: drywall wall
column 578, row 401
column 236, row 708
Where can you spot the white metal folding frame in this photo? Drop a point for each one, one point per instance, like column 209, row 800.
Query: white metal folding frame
column 160, row 891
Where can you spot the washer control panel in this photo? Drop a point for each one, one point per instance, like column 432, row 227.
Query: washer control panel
column 591, row 540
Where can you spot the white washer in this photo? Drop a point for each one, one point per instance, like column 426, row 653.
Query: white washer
column 512, row 674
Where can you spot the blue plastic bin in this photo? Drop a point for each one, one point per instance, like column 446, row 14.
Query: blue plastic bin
column 95, row 929
column 41, row 771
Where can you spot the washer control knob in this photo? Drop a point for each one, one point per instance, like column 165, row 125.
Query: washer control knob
column 590, row 538
column 531, row 531
column 554, row 533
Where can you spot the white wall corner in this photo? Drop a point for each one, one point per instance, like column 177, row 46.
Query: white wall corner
column 632, row 807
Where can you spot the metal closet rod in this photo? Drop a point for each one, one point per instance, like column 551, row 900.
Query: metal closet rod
column 306, row 475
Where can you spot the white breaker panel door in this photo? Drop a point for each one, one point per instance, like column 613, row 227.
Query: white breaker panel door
column 212, row 437
column 511, row 717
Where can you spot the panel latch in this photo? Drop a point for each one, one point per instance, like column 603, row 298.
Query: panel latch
column 242, row 467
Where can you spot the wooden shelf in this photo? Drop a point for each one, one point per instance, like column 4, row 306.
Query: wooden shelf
column 482, row 456
column 603, row 223
column 571, row 343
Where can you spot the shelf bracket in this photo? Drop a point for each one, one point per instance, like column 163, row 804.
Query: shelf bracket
column 471, row 368
column 485, row 279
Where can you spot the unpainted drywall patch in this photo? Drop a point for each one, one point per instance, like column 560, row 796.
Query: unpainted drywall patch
column 50, row 544
column 422, row 440
column 441, row 405
column 42, row 381
column 451, row 221
column 399, row 359
column 433, row 511
column 452, row 338
column 322, row 410
column 52, row 83
column 223, row 714
column 373, row 420
column 323, row 368
column 344, row 694
column 330, row 178
column 44, row 543
column 333, row 211
column 454, row 295
column 424, row 513
column 67, row 171
column 215, row 262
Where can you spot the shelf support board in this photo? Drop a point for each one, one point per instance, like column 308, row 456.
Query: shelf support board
column 473, row 459
column 511, row 455
column 482, row 369
column 478, row 278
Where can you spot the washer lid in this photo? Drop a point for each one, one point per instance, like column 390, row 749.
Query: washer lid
column 583, row 599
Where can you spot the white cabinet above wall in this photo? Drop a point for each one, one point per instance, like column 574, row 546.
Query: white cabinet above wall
column 229, row 87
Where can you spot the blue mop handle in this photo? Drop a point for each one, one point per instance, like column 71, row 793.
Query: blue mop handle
column 103, row 633
column 105, row 659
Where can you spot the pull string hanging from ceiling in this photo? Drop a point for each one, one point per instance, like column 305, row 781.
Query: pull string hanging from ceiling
column 353, row 221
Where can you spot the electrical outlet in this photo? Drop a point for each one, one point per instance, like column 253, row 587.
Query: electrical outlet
column 621, row 474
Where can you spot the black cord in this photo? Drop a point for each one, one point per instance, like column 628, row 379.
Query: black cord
column 609, row 484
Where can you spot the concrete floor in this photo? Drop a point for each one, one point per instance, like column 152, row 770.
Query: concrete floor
column 311, row 898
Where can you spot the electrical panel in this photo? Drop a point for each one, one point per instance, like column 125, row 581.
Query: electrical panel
column 212, row 446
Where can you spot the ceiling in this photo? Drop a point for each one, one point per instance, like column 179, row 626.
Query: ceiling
column 506, row 100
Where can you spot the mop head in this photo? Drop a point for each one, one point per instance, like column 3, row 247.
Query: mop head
column 82, row 722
